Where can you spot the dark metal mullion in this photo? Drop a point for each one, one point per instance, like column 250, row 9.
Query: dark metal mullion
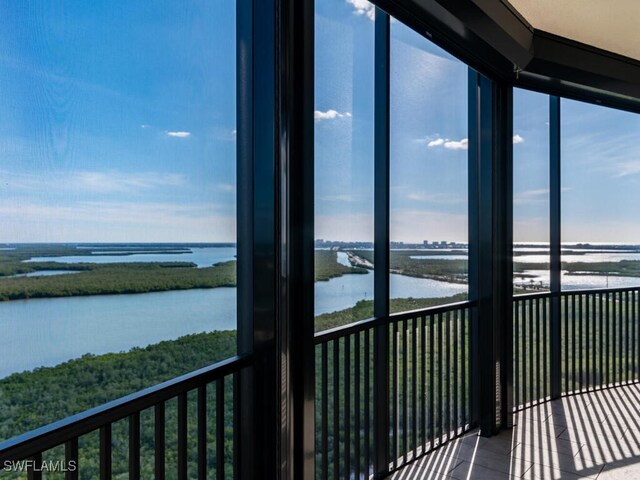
column 440, row 379
column 538, row 366
column 356, row 402
column 615, row 325
column 574, row 320
column 414, row 386
column 325, row 411
column 220, row 429
column 394, row 395
column 456, row 399
column 531, row 351
column 594, row 342
column 601, row 338
column 554, row 246
column 105, row 452
column 71, row 459
column 423, row 392
column 432, row 347
column 347, row 407
column 202, row 432
column 134, row 446
column 159, row 442
column 626, row 336
column 336, row 409
column 35, row 472
column 516, row 353
column 367, row 397
column 581, row 349
column 463, row 385
column 587, row 337
column 545, row 350
column 183, row 436
column 447, row 417
column 405, row 393
column 608, row 340
column 381, row 243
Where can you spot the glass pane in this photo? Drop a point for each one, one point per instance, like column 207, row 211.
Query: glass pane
column 344, row 38
column 429, row 212
column 117, row 206
column 600, row 196
column 530, row 191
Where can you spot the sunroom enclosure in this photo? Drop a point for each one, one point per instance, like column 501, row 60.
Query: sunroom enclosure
column 363, row 399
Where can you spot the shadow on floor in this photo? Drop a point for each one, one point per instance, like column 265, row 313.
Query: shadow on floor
column 593, row 435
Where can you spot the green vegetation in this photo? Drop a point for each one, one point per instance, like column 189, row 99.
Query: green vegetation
column 32, row 399
column 626, row 268
column 327, row 266
column 117, row 278
column 364, row 310
column 452, row 271
column 120, row 278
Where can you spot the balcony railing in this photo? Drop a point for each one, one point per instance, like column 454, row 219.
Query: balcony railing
column 599, row 334
column 203, row 402
column 388, row 391
column 428, row 388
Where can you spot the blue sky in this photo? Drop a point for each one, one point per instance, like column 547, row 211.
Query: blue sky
column 118, row 123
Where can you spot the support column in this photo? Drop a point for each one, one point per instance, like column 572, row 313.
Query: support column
column 555, row 243
column 381, row 245
column 490, row 252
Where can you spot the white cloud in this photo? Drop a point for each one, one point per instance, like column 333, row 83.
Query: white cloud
column 144, row 126
column 330, row 115
column 179, row 134
column 457, row 144
column 226, row 187
column 462, row 144
column 624, row 169
column 363, row 7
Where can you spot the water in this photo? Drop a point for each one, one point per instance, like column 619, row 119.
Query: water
column 343, row 292
column 439, row 257
column 579, row 282
column 201, row 256
column 43, row 273
column 48, row 331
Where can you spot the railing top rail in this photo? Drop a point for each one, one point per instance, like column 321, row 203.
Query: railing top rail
column 583, row 291
column 527, row 296
column 586, row 291
column 57, row 433
column 356, row 327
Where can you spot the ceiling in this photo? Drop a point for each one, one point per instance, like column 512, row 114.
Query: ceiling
column 612, row 25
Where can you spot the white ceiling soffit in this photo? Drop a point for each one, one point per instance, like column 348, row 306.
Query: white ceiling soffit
column 612, row 25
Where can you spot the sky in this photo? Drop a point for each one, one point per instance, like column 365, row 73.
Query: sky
column 117, row 124
column 117, row 121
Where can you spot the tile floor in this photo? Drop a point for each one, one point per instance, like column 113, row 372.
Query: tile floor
column 594, row 435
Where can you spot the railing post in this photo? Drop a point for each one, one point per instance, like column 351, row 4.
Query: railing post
column 503, row 244
column 555, row 367
column 490, row 252
column 381, row 246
